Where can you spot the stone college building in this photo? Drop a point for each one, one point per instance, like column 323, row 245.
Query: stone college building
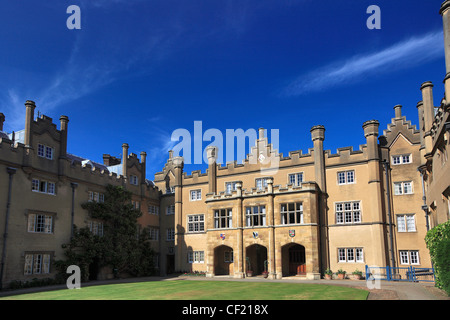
column 319, row 210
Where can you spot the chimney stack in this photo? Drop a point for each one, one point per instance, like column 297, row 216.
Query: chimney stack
column 371, row 134
column 318, row 136
column 2, row 120
column 29, row 118
column 143, row 166
column 445, row 12
column 211, row 153
column 261, row 133
column 428, row 113
column 124, row 159
column 398, row 111
column 64, row 128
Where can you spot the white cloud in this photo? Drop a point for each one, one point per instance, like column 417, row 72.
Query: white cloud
column 405, row 54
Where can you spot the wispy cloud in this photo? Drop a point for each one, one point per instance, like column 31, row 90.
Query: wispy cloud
column 409, row 53
column 85, row 72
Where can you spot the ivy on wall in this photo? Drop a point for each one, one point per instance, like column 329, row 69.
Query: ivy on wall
column 122, row 247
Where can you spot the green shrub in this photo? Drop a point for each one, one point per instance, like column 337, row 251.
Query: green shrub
column 436, row 240
column 443, row 261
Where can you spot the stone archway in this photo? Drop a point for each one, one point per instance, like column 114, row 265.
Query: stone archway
column 223, row 260
column 257, row 256
column 293, row 259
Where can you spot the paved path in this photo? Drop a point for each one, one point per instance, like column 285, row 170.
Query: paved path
column 386, row 291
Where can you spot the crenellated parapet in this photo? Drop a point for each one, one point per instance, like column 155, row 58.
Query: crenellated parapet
column 307, row 186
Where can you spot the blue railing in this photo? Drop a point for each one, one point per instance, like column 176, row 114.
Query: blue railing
column 410, row 273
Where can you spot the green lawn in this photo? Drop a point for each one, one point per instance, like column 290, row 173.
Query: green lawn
column 201, row 290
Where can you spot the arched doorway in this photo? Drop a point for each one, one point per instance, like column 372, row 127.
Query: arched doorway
column 223, row 260
column 256, row 256
column 294, row 260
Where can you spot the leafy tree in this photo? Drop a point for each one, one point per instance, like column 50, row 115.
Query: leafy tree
column 123, row 246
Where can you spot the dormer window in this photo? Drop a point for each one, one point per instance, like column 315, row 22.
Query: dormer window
column 401, row 159
column 43, row 186
column 45, row 151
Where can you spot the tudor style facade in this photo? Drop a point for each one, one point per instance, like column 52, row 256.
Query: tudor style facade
column 41, row 191
column 313, row 211
column 307, row 213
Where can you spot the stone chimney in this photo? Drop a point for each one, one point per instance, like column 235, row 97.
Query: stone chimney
column 445, row 12
column 29, row 119
column 371, row 134
column 211, row 154
column 428, row 113
column 398, row 111
column 2, row 120
column 125, row 159
column 64, row 120
column 318, row 136
column 261, row 133
column 143, row 166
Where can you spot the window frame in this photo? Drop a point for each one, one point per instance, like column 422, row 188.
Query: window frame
column 43, row 186
column 170, row 234
column 399, row 159
column 405, row 225
column 297, row 213
column 168, row 211
column 295, row 182
column 195, row 195
column 197, row 221
column 350, row 255
column 264, row 184
column 348, row 215
column 346, row 177
column 197, row 256
column 134, row 179
column 409, row 258
column 153, row 233
column 153, row 209
column 223, row 221
column 44, row 151
column 40, row 263
column 96, row 227
column 260, row 216
column 401, row 191
column 41, row 223
column 233, row 186
column 94, row 196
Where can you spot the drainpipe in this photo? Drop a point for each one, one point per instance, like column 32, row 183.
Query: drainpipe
column 388, row 193
column 11, row 172
column 74, row 186
column 424, row 198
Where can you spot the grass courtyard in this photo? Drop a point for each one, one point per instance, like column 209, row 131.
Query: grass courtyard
column 200, row 290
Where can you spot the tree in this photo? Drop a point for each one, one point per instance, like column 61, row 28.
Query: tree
column 123, row 246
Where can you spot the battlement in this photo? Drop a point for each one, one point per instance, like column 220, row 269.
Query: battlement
column 308, row 186
column 21, row 148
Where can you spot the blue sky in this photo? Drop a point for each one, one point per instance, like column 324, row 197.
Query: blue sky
column 140, row 69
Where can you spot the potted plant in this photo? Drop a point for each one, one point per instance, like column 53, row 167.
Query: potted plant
column 356, row 275
column 249, row 271
column 328, row 274
column 341, row 274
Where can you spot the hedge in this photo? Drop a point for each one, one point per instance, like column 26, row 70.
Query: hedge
column 438, row 243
